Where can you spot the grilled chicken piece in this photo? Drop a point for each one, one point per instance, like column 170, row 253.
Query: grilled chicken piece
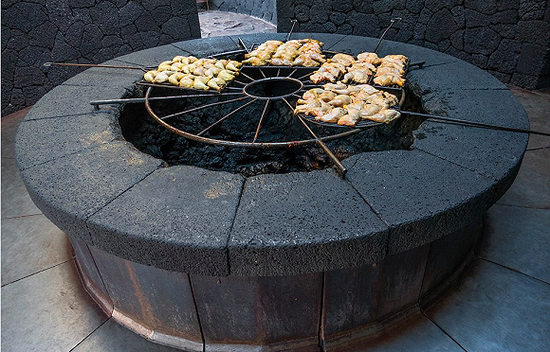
column 357, row 76
column 307, row 107
column 371, row 58
column 353, row 116
column 344, row 59
column 386, row 116
column 334, row 86
column 332, row 115
column 388, row 80
column 340, row 100
column 313, row 93
column 327, row 96
column 187, row 81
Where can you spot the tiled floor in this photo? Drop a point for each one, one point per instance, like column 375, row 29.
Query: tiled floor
column 503, row 304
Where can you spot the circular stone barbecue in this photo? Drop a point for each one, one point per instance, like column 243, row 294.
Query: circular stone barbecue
column 200, row 259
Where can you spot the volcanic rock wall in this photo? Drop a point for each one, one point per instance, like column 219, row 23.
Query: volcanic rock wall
column 85, row 31
column 508, row 38
column 264, row 9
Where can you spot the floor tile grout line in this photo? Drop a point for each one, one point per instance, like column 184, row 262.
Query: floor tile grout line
column 533, row 149
column 21, row 216
column 84, row 339
column 524, row 206
column 512, row 269
column 442, row 330
column 38, row 272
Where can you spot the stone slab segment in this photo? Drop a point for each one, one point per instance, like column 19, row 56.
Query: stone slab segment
column 429, row 201
column 496, row 309
column 495, row 154
column 518, row 238
column 357, row 301
column 246, row 313
column 454, row 75
column 70, row 100
column 208, row 46
column 100, row 174
column 309, row 221
column 51, row 138
column 178, row 219
column 31, row 244
column 107, row 77
column 153, row 56
column 49, row 311
column 157, row 299
column 531, row 187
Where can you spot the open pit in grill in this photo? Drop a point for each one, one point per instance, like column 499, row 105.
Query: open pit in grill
column 280, row 124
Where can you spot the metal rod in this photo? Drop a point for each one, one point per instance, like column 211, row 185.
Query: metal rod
column 225, row 53
column 241, row 43
column 475, row 124
column 306, row 75
column 225, row 117
column 291, row 29
column 392, row 22
column 297, row 96
column 293, row 72
column 262, row 72
column 239, row 82
column 278, row 72
column 141, row 100
column 48, row 64
column 201, row 107
column 341, row 168
column 261, row 121
column 247, row 76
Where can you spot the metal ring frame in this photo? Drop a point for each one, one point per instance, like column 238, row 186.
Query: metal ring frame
column 241, row 94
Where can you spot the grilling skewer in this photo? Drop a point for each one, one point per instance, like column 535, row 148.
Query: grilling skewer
column 392, row 22
column 141, row 100
column 341, row 168
column 48, row 64
column 445, row 119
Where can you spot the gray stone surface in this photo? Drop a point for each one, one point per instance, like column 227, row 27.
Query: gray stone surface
column 16, row 201
column 503, row 37
column 532, row 188
column 496, row 309
column 537, row 106
column 60, row 136
column 100, row 174
column 9, row 128
column 50, row 312
column 271, row 242
column 87, row 32
column 528, row 252
column 220, row 23
column 500, row 154
column 178, row 218
column 31, row 244
column 418, row 335
column 72, row 100
column 303, row 222
column 429, row 201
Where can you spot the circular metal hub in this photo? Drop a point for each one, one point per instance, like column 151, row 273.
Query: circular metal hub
column 273, row 88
